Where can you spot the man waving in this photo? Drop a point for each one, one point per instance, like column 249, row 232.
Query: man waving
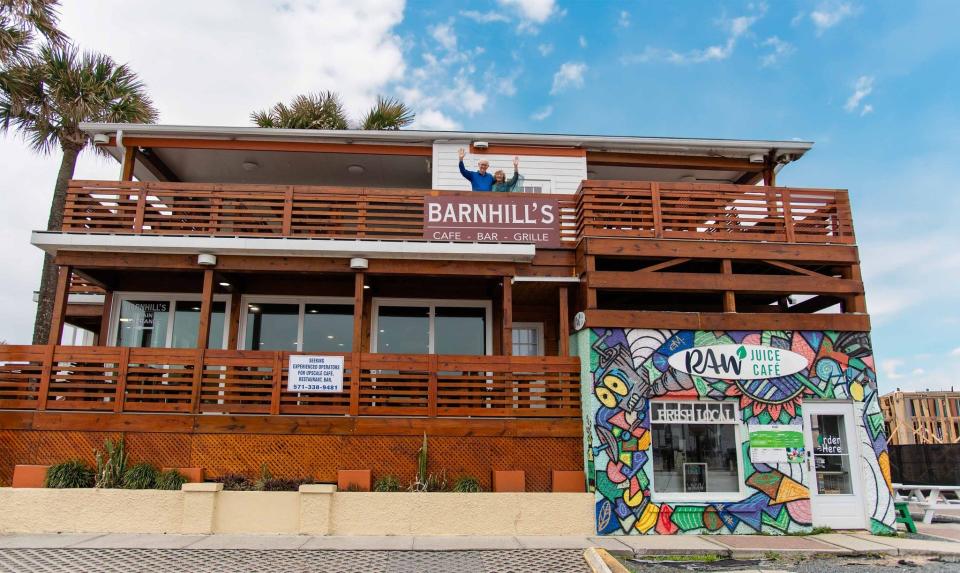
column 479, row 180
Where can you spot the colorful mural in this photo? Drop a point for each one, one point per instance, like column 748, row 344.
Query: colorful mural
column 630, row 366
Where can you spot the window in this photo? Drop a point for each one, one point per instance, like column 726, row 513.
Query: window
column 165, row 321
column 528, row 339
column 431, row 327
column 696, row 449
column 295, row 325
column 831, row 454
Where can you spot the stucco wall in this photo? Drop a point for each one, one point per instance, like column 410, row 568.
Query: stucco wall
column 203, row 509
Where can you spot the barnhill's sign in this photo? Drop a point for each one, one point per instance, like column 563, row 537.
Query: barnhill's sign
column 492, row 218
column 738, row 361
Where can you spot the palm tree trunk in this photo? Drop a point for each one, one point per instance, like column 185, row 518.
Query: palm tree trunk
column 48, row 278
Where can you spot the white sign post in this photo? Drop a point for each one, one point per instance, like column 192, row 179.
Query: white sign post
column 315, row 374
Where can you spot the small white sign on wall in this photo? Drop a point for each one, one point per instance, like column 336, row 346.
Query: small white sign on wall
column 315, row 374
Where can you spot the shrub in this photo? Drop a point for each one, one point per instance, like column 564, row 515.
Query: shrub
column 72, row 474
column 170, row 480
column 265, row 476
column 141, row 476
column 280, row 484
column 235, row 482
column 111, row 464
column 467, row 484
column 387, row 483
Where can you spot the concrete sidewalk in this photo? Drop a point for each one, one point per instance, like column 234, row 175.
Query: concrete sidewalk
column 936, row 540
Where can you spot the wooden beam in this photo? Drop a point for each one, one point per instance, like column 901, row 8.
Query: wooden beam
column 291, row 425
column 206, row 308
column 857, row 302
column 729, row 297
column 506, row 339
column 563, row 330
column 663, row 265
column 104, row 335
column 826, row 254
column 157, row 167
column 794, row 268
column 671, row 161
column 723, row 321
column 701, row 282
column 129, row 161
column 59, row 305
column 237, row 313
column 357, row 342
column 302, row 146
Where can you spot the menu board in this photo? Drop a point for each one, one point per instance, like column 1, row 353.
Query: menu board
column 694, row 477
column 776, row 443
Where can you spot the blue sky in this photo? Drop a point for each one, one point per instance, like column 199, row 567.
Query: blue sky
column 873, row 84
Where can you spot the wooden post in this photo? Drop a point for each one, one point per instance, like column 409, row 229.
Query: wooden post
column 506, row 339
column 287, row 224
column 197, row 381
column 121, row 393
column 141, row 211
column 564, row 327
column 787, row 216
column 206, row 307
column 433, row 366
column 233, row 327
column 854, row 303
column 45, row 374
column 356, row 344
column 60, row 305
column 277, row 383
column 103, row 339
column 129, row 161
column 657, row 212
column 729, row 298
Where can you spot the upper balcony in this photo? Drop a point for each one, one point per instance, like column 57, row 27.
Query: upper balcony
column 599, row 209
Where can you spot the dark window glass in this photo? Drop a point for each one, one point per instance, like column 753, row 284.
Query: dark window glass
column 403, row 330
column 186, row 323
column 460, row 330
column 328, row 328
column 271, row 326
column 681, row 450
column 143, row 323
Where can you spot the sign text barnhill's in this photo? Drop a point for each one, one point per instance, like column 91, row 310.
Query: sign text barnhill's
column 492, row 218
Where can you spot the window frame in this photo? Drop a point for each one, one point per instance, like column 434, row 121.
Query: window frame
column 302, row 301
column 537, row 327
column 739, row 431
column 113, row 333
column 432, row 303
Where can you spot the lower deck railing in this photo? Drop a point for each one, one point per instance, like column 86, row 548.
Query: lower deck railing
column 193, row 381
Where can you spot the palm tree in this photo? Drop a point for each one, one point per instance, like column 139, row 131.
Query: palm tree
column 45, row 97
column 22, row 20
column 324, row 110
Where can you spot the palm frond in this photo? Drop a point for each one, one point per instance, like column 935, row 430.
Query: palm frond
column 22, row 20
column 388, row 114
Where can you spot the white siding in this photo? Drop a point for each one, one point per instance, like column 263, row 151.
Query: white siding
column 563, row 173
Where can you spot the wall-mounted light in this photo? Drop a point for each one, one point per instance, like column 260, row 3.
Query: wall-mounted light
column 101, row 139
column 224, row 284
column 206, row 259
column 757, row 158
column 250, row 165
column 355, row 169
column 359, row 263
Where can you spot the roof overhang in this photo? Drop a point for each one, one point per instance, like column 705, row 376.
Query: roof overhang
column 54, row 242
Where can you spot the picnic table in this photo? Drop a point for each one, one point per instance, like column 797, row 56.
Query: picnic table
column 929, row 497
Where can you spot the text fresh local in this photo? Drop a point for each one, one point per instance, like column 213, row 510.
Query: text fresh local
column 738, row 361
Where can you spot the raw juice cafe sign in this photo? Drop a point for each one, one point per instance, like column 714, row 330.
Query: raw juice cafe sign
column 738, row 361
column 492, row 218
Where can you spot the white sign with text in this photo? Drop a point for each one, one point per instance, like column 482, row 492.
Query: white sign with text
column 738, row 361
column 315, row 374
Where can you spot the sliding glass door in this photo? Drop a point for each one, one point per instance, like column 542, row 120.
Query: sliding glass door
column 403, row 326
column 298, row 325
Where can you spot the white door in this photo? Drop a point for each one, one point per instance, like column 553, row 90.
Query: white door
column 833, row 460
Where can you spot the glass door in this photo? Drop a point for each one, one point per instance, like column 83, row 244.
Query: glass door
column 832, row 453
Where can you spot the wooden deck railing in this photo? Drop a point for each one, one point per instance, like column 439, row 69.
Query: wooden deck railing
column 713, row 211
column 190, row 381
column 618, row 209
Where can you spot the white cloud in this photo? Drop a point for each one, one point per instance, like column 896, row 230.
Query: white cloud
column 444, row 35
column 861, row 89
column 736, row 28
column 534, row 11
column 545, row 49
column 217, row 48
column 583, row 41
column 484, row 17
column 829, row 14
column 544, row 114
column 624, row 20
column 955, row 351
column 889, row 368
column 779, row 50
column 431, row 119
column 866, row 109
column 569, row 75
